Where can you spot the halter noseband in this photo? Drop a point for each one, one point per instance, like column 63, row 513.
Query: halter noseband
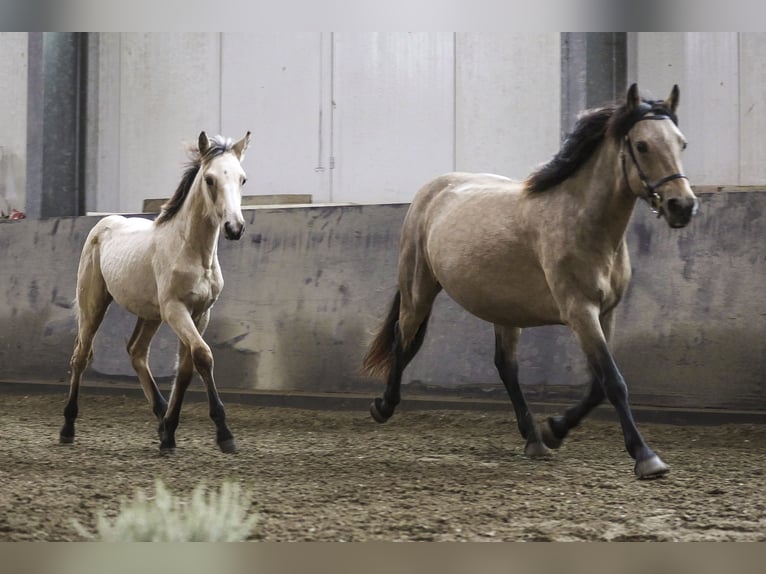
column 653, row 198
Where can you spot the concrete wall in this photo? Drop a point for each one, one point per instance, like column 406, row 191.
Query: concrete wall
column 306, row 286
column 13, row 121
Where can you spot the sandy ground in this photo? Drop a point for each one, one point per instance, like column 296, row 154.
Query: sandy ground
column 424, row 475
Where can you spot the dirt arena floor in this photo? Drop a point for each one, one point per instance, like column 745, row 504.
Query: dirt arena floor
column 424, row 475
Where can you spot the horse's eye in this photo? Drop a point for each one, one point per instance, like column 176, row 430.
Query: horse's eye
column 244, row 180
column 684, row 145
column 642, row 147
column 209, row 181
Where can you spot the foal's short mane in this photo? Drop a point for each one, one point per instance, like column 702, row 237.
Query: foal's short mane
column 592, row 127
column 218, row 146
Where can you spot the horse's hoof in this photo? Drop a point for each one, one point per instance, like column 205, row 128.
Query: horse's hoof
column 228, row 446
column 376, row 412
column 63, row 439
column 651, row 467
column 167, row 448
column 549, row 438
column 537, row 449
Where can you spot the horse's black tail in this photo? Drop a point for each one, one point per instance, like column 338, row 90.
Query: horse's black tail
column 377, row 361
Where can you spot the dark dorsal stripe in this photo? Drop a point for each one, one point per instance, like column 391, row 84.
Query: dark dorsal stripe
column 218, row 146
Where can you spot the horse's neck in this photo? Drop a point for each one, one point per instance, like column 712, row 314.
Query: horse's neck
column 608, row 201
column 198, row 228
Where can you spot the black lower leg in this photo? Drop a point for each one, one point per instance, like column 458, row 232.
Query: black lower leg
column 167, row 430
column 509, row 374
column 218, row 414
column 561, row 425
column 383, row 408
column 159, row 404
column 70, row 414
column 616, row 391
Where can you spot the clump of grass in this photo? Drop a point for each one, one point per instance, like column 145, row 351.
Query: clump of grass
column 210, row 515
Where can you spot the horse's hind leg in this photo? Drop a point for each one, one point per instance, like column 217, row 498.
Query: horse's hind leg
column 506, row 342
column 138, row 349
column 407, row 332
column 92, row 302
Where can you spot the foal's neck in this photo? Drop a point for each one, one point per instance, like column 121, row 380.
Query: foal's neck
column 199, row 228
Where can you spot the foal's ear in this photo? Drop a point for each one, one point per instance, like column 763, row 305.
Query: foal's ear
column 240, row 147
column 633, row 100
column 675, row 96
column 203, row 143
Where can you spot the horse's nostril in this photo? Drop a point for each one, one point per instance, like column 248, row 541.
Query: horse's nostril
column 674, row 205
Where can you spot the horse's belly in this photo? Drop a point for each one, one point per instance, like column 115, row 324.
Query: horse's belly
column 526, row 304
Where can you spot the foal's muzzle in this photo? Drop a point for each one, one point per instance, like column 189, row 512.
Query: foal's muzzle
column 233, row 231
column 679, row 210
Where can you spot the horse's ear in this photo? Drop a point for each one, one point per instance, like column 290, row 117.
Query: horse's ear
column 633, row 100
column 203, row 143
column 675, row 96
column 240, row 147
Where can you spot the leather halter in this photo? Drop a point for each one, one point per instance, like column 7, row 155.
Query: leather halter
column 652, row 197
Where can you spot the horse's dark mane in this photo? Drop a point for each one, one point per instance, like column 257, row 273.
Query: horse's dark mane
column 218, row 146
column 593, row 126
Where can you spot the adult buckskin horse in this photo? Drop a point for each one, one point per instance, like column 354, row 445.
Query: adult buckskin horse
column 548, row 250
column 164, row 270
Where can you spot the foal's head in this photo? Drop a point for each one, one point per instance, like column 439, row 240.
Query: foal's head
column 214, row 174
column 651, row 155
column 222, row 180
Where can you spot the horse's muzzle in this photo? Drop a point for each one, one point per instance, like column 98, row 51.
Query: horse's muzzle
column 679, row 210
column 233, row 231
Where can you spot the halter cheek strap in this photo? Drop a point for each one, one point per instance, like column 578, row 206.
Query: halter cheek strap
column 652, row 197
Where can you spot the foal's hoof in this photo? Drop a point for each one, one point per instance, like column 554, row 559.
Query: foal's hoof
column 63, row 439
column 376, row 411
column 228, row 446
column 549, row 437
column 652, row 467
column 537, row 449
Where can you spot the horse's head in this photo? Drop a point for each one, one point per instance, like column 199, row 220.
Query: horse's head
column 651, row 157
column 223, row 178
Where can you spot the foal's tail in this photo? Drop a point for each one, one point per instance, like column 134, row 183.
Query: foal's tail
column 377, row 361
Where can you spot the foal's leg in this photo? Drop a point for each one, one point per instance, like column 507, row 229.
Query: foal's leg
column 556, row 428
column 416, row 300
column 92, row 301
column 585, row 323
column 506, row 341
column 178, row 317
column 138, row 349
column 169, row 423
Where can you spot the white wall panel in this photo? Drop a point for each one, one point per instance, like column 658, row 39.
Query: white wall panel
column 508, row 101
column 13, row 120
column 393, row 115
column 170, row 90
column 706, row 68
column 752, row 142
column 276, row 84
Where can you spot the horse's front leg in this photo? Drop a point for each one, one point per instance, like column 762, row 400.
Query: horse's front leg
column 201, row 357
column 557, row 428
column 584, row 320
